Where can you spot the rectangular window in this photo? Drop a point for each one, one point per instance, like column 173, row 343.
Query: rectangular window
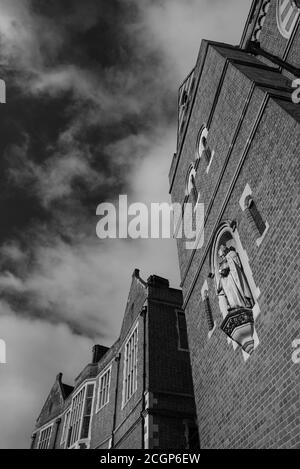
column 104, row 384
column 45, row 437
column 182, row 332
column 130, row 367
column 259, row 223
column 65, row 427
column 87, row 411
column 77, row 419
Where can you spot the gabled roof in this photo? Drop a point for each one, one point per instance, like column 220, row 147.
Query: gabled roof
column 66, row 390
column 136, row 298
column 55, row 401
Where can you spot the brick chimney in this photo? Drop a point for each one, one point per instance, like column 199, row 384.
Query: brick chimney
column 98, row 352
column 158, row 282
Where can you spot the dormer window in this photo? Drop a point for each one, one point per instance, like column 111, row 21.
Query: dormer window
column 287, row 14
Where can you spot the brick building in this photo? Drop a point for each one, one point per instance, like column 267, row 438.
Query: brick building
column 136, row 394
column 238, row 154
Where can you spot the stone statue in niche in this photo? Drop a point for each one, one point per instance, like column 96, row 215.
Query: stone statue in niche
column 233, row 284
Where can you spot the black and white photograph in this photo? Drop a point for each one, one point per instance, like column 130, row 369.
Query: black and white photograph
column 149, row 236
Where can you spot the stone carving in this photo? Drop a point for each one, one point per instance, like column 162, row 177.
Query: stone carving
column 239, row 326
column 233, row 284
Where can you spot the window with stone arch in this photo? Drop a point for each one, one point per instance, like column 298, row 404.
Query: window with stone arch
column 203, row 148
column 235, row 287
column 190, row 185
column 287, row 14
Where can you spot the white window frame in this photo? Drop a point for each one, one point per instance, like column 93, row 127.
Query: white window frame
column 281, row 6
column 102, row 375
column 203, row 132
column 74, row 444
column 126, row 397
column 42, row 430
column 67, row 416
column 188, row 182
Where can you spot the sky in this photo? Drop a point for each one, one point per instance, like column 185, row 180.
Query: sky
column 90, row 114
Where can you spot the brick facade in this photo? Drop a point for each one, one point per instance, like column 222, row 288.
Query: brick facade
column 244, row 100
column 160, row 412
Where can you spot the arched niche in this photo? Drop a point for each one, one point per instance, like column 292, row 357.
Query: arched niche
column 228, row 236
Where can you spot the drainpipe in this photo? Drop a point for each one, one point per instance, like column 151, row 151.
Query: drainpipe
column 254, row 48
column 117, row 359
column 33, row 438
column 144, row 315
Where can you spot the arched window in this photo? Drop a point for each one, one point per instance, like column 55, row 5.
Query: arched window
column 287, row 13
column 190, row 187
column 203, row 148
column 202, row 141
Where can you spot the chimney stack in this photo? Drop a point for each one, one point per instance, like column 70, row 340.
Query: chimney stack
column 98, row 352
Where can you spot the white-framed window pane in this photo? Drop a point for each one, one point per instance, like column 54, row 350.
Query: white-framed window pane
column 66, row 426
column 104, row 389
column 87, row 411
column 45, row 436
column 130, row 367
column 75, row 419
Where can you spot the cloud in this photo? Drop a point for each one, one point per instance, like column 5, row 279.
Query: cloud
column 36, row 352
column 54, row 178
column 176, row 28
column 77, row 283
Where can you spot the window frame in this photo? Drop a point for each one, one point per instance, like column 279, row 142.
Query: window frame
column 188, row 184
column 126, row 398
column 67, row 444
column 203, row 132
column 67, row 415
column 49, row 437
column 101, row 376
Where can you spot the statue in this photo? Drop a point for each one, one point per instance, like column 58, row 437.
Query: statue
column 233, row 283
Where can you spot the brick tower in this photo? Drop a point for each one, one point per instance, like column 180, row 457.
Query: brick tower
column 238, row 150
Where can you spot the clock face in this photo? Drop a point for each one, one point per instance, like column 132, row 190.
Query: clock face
column 287, row 15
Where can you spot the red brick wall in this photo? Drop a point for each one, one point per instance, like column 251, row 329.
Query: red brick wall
column 252, row 404
column 162, row 369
